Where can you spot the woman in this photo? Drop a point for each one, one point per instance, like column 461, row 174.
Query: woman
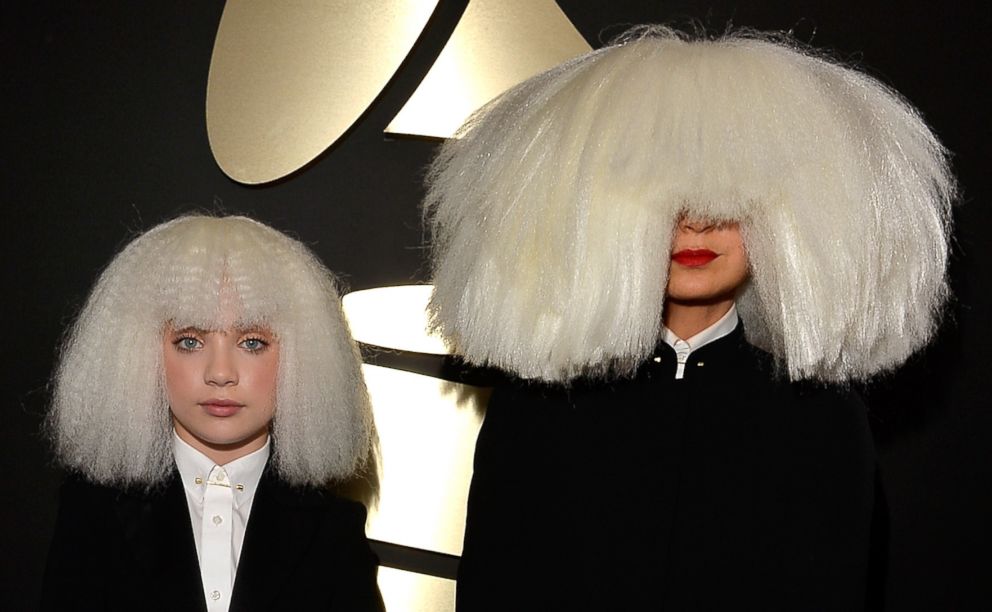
column 210, row 378
column 682, row 250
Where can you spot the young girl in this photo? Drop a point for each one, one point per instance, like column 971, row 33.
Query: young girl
column 682, row 249
column 204, row 397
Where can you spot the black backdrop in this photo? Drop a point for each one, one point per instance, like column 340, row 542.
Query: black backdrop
column 104, row 135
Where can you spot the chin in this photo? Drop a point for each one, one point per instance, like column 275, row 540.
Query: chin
column 700, row 296
column 690, row 296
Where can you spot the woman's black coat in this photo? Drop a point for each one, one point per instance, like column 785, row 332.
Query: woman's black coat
column 729, row 489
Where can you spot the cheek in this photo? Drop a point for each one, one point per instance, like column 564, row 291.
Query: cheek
column 737, row 261
column 271, row 377
column 173, row 377
column 176, row 379
column 736, row 273
column 740, row 264
column 182, row 375
column 265, row 376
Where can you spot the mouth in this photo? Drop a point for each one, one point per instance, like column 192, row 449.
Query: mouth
column 693, row 258
column 221, row 407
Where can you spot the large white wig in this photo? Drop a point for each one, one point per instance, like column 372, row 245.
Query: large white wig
column 110, row 418
column 552, row 212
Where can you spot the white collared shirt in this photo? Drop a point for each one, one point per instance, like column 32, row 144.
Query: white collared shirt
column 683, row 348
column 241, row 478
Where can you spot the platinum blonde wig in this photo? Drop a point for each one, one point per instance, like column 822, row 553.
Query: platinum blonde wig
column 552, row 212
column 110, row 418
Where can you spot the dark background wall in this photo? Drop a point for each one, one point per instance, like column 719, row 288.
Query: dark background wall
column 104, row 135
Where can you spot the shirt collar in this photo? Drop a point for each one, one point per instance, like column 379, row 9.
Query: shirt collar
column 194, row 467
column 723, row 327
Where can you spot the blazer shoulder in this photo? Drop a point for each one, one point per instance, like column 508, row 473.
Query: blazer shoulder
column 76, row 485
column 316, row 498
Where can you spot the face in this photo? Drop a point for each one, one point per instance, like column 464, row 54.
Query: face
column 221, row 387
column 708, row 263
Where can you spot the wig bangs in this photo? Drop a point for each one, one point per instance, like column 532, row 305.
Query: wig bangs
column 218, row 275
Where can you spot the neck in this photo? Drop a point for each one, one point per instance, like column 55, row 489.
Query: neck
column 686, row 319
column 222, row 454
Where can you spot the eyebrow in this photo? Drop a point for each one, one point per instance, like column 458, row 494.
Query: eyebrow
column 248, row 329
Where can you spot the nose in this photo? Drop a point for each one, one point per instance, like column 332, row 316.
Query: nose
column 697, row 226
column 221, row 370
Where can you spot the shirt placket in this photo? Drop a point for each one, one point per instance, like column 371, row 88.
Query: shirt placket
column 216, row 568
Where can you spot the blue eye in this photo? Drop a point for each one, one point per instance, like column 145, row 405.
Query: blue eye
column 187, row 343
column 254, row 345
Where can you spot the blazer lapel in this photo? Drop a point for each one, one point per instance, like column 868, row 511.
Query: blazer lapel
column 279, row 534
column 158, row 532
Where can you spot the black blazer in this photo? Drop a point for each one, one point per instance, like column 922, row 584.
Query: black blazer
column 732, row 489
column 134, row 550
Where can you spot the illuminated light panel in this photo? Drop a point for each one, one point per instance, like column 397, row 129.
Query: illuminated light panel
column 496, row 44
column 427, row 430
column 288, row 78
column 412, row 592
column 393, row 317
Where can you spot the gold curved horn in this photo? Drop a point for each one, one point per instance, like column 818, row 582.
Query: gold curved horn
column 496, row 44
column 288, row 78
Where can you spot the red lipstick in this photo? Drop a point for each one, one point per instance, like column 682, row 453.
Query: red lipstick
column 221, row 407
column 693, row 258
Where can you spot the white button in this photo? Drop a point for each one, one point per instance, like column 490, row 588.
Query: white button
column 218, row 519
column 215, row 595
column 221, row 476
column 657, row 359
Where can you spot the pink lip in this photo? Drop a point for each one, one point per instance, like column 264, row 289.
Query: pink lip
column 693, row 258
column 221, row 407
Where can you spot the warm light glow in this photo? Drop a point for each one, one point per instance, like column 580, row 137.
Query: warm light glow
column 393, row 317
column 427, row 429
column 288, row 78
column 408, row 592
column 497, row 44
